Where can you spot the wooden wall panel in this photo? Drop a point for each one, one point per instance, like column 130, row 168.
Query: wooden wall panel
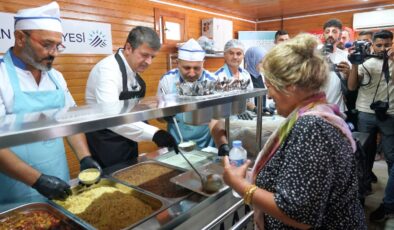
column 295, row 26
column 123, row 15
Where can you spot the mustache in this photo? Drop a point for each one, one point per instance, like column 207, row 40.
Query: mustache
column 49, row 58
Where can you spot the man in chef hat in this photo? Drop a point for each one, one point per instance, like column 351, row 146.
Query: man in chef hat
column 28, row 83
column 190, row 69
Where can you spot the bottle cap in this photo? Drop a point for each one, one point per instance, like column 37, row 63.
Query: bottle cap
column 237, row 143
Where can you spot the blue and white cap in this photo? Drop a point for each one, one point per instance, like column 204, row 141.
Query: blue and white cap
column 191, row 51
column 45, row 17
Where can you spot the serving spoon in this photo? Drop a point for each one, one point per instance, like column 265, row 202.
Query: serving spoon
column 210, row 183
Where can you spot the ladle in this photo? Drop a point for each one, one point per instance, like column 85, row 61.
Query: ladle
column 212, row 182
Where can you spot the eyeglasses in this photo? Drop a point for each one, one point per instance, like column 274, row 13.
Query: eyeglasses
column 48, row 46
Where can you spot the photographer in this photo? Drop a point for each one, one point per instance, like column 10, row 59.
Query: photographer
column 375, row 103
column 339, row 64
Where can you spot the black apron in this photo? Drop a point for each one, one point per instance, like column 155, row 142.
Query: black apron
column 109, row 148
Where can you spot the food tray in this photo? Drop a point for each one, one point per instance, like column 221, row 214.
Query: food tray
column 18, row 214
column 196, row 157
column 157, row 181
column 190, row 179
column 109, row 206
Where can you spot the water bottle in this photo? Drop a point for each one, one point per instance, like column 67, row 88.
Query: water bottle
column 237, row 155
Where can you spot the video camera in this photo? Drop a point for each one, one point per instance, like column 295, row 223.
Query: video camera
column 362, row 50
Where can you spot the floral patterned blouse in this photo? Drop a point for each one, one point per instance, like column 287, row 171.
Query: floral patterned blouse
column 313, row 178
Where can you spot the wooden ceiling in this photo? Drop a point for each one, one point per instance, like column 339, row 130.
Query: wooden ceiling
column 274, row 9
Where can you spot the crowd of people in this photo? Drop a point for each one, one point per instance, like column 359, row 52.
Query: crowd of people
column 306, row 174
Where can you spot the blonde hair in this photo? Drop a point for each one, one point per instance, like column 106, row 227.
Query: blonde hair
column 296, row 62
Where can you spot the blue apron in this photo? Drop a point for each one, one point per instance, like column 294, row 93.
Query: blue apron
column 48, row 156
column 197, row 133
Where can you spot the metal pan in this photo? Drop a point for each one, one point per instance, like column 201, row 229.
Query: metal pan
column 20, row 213
column 190, row 179
column 155, row 204
column 154, row 177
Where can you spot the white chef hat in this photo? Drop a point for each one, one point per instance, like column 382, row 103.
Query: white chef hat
column 191, row 51
column 45, row 17
column 234, row 43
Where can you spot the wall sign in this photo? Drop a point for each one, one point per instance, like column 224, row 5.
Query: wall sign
column 263, row 39
column 79, row 37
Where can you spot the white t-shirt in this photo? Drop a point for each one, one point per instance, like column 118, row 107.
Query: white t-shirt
column 105, row 84
column 27, row 83
column 333, row 85
column 367, row 91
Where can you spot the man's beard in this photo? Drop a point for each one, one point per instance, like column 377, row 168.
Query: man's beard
column 28, row 56
column 331, row 40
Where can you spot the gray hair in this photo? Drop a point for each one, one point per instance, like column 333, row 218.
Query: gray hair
column 142, row 34
column 234, row 43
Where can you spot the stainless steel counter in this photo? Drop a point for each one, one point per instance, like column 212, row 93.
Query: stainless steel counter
column 20, row 129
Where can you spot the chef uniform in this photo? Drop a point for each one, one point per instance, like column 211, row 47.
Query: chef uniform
column 225, row 73
column 19, row 94
column 112, row 79
column 190, row 51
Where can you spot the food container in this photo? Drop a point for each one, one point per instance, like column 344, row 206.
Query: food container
column 196, row 157
column 111, row 205
column 38, row 216
column 191, row 180
column 154, row 177
column 89, row 176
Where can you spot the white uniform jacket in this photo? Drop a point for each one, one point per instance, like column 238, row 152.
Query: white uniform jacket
column 105, row 84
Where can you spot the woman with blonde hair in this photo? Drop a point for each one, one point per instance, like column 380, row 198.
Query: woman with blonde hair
column 305, row 176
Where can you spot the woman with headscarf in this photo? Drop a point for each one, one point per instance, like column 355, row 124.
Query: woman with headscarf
column 305, row 177
column 253, row 58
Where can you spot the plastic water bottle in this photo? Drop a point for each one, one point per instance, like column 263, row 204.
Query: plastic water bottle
column 237, row 157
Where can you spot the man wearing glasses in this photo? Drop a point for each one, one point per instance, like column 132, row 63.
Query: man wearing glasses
column 28, row 83
column 190, row 69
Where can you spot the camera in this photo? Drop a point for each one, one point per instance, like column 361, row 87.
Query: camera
column 380, row 108
column 361, row 52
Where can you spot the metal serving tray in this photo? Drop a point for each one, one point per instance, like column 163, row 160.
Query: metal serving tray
column 190, row 179
column 155, row 180
column 66, row 221
column 155, row 203
column 196, row 157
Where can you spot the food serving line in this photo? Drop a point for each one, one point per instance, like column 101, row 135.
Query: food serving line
column 184, row 205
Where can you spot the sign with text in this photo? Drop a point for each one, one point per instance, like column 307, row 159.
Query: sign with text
column 79, row 37
column 263, row 39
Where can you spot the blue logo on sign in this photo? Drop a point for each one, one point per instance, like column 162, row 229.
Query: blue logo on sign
column 97, row 39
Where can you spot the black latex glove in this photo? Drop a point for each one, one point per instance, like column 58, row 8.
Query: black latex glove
column 245, row 116
column 164, row 139
column 224, row 150
column 52, row 187
column 88, row 162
